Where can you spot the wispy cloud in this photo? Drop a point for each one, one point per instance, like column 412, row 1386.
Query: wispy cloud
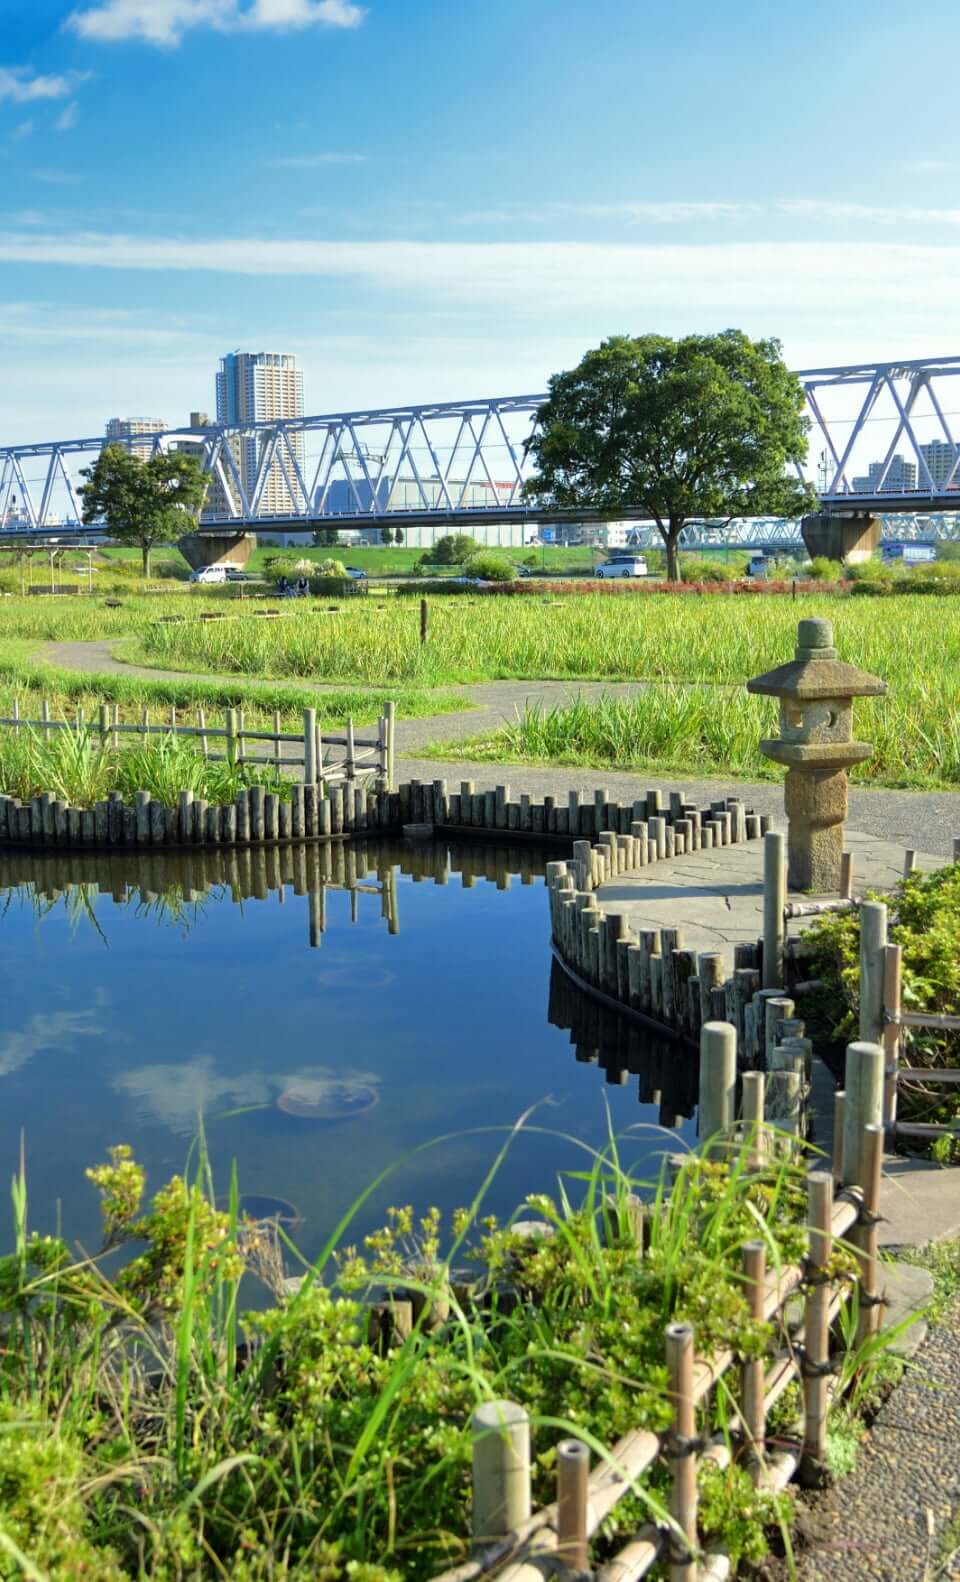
column 24, row 129
column 314, row 161
column 866, row 213
column 164, row 22
column 543, row 277
column 55, row 177
column 20, row 85
column 666, row 212
column 930, row 167
column 67, row 119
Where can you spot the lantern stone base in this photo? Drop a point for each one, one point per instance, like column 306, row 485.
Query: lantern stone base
column 816, row 807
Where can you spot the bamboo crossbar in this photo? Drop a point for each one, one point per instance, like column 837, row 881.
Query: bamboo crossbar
column 927, row 1074
column 528, row 1553
column 923, row 1019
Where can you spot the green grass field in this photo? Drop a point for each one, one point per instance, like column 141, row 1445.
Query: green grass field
column 704, row 648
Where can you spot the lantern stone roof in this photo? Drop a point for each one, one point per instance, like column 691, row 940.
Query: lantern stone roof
column 816, row 672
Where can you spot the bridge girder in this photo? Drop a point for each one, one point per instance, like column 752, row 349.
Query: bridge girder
column 465, row 462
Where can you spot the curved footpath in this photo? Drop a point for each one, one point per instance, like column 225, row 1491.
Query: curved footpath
column 927, row 820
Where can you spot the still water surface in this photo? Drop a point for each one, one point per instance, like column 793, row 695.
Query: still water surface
column 395, row 994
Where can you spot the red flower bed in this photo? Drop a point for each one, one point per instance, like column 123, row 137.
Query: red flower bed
column 622, row 586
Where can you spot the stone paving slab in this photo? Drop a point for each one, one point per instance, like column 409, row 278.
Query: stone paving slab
column 716, row 896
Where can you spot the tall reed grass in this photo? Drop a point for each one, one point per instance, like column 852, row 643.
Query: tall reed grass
column 79, row 768
column 696, row 730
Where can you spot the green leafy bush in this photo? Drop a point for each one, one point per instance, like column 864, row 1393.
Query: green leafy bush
column 138, row 1441
column 925, row 923
column 489, row 567
column 822, row 569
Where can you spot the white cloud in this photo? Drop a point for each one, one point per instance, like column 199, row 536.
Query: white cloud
column 57, row 1030
column 315, row 161
column 21, row 86
column 866, row 213
column 67, row 119
column 25, row 129
column 929, row 167
column 543, row 277
column 164, row 22
column 667, row 212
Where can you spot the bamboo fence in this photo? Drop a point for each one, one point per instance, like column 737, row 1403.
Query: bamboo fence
column 516, row 1544
column 360, row 757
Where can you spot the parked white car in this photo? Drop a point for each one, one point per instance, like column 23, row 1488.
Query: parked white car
column 209, row 574
column 623, row 566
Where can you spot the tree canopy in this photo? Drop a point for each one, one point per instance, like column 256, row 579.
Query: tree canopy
column 705, row 426
column 453, row 548
column 143, row 502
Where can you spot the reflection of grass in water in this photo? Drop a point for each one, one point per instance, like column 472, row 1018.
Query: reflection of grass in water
column 78, row 901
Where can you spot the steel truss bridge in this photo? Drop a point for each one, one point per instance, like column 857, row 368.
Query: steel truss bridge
column 463, row 464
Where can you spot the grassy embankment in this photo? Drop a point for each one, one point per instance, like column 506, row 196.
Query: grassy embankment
column 142, row 1442
column 397, row 560
column 701, row 651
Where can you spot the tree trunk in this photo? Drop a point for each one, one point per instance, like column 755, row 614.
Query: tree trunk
column 670, row 533
column 145, row 552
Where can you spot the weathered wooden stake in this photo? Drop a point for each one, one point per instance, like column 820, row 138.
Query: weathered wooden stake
column 816, row 1323
column 774, row 901
column 873, row 944
column 310, row 747
column 573, row 1467
column 718, row 1081
column 892, row 973
column 863, row 1081
column 752, row 1410
column 682, row 1453
column 501, row 1469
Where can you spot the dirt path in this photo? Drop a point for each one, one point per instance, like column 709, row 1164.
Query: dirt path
column 925, row 820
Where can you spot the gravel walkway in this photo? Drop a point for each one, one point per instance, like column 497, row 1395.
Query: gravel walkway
column 926, row 820
column 884, row 1523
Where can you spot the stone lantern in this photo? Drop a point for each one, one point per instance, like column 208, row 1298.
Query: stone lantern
column 816, row 692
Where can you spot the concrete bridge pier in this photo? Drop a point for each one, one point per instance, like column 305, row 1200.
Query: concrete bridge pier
column 228, row 548
column 848, row 536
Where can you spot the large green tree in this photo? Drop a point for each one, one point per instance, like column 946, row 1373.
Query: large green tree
column 143, row 502
column 705, row 426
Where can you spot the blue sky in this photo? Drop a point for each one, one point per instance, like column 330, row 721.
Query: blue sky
column 432, row 199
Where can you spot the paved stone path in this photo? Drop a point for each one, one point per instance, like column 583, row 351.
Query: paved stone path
column 883, row 1522
column 927, row 819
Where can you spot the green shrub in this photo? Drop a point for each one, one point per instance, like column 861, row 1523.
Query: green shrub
column 821, row 569
column 452, row 549
column 925, row 922
column 709, row 569
column 489, row 568
column 132, row 1445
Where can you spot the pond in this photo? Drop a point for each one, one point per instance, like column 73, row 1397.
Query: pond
column 328, row 1012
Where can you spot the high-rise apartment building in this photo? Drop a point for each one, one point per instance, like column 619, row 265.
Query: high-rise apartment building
column 133, row 433
column 259, row 387
column 941, row 458
column 901, row 476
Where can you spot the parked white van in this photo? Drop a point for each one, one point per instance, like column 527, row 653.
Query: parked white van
column 210, row 574
column 623, row 566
